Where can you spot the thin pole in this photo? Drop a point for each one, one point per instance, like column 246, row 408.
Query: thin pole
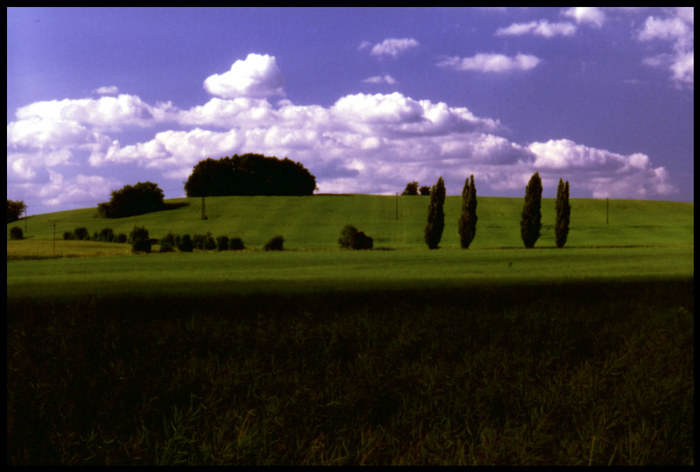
column 607, row 211
column 204, row 216
column 54, row 238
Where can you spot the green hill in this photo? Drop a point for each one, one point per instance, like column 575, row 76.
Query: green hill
column 315, row 222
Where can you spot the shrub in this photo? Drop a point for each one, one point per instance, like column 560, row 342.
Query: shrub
column 106, row 235
column 275, row 244
column 67, row 236
column 222, row 243
column 140, row 242
column 16, row 233
column 235, row 244
column 121, row 238
column 81, row 234
column 168, row 243
column 351, row 238
column 184, row 243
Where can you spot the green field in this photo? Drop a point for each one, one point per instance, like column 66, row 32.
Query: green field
column 321, row 356
column 315, row 222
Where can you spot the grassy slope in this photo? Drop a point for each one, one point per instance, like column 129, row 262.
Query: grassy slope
column 315, row 222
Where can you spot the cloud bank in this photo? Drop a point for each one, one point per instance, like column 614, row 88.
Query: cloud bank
column 365, row 143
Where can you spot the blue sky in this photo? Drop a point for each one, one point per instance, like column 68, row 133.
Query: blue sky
column 367, row 99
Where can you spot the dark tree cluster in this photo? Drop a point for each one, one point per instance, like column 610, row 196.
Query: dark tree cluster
column 15, row 210
column 249, row 174
column 144, row 197
column 413, row 189
column 351, row 238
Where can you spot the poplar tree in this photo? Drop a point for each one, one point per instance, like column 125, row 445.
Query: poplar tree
column 531, row 220
column 467, row 220
column 436, row 215
column 561, row 227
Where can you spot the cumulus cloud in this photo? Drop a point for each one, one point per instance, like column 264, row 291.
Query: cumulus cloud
column 372, row 143
column 538, row 28
column 391, row 47
column 593, row 16
column 491, row 63
column 602, row 172
column 257, row 76
column 676, row 28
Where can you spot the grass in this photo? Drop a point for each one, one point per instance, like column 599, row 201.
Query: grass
column 494, row 355
column 566, row 374
column 315, row 222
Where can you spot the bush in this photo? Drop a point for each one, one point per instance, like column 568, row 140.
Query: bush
column 222, row 243
column 351, row 238
column 140, row 242
column 68, row 236
column 168, row 243
column 235, row 244
column 106, row 235
column 81, row 234
column 184, row 243
column 121, row 238
column 16, row 233
column 275, row 244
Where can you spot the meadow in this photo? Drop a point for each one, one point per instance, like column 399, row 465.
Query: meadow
column 320, row 356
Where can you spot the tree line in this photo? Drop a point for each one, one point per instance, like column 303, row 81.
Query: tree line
column 530, row 221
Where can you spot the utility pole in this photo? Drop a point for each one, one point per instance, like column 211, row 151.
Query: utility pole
column 204, row 216
column 607, row 220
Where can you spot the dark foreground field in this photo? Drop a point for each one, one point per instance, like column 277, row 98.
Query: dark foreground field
column 571, row 373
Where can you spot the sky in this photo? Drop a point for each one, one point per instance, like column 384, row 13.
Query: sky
column 367, row 99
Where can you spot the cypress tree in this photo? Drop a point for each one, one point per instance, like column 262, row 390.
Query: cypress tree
column 467, row 221
column 531, row 221
column 563, row 208
column 436, row 215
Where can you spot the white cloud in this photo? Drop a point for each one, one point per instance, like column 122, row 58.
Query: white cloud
column 586, row 15
column 676, row 28
column 107, row 90
column 602, row 172
column 391, row 47
column 539, row 28
column 492, row 63
column 380, row 79
column 255, row 77
column 372, row 143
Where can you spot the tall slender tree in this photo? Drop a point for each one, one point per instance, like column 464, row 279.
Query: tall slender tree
column 531, row 220
column 467, row 220
column 561, row 226
column 436, row 215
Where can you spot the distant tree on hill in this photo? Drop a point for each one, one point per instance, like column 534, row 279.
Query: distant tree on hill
column 561, row 226
column 140, row 242
column 425, row 190
column 15, row 210
column 531, row 220
column 436, row 215
column 411, row 189
column 249, row 174
column 467, row 220
column 16, row 233
column 144, row 197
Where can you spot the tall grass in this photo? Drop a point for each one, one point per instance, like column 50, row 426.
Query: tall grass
column 568, row 374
